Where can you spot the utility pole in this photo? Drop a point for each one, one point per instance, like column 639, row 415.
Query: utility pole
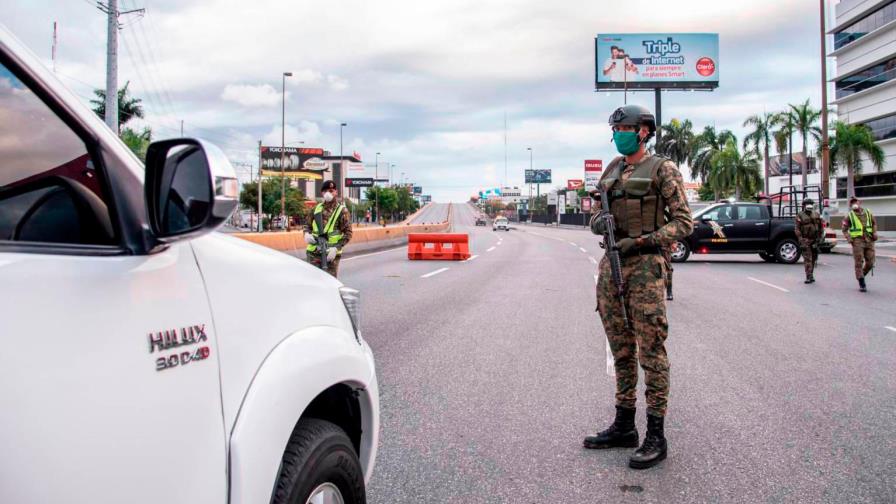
column 283, row 153
column 376, row 177
column 505, row 148
column 260, row 227
column 54, row 46
column 825, row 145
column 341, row 162
column 112, row 26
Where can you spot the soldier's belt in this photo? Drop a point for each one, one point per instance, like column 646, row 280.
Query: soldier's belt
column 642, row 251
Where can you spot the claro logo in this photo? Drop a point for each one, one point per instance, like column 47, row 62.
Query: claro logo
column 706, row 66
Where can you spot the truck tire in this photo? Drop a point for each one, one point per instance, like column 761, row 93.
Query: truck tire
column 787, row 251
column 680, row 251
column 319, row 461
column 768, row 257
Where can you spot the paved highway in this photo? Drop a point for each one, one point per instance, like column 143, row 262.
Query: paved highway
column 432, row 213
column 492, row 370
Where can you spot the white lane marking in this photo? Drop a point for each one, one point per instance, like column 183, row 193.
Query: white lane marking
column 890, row 328
column 583, row 250
column 573, row 244
column 593, row 260
column 498, row 244
column 434, row 273
column 773, row 286
column 471, row 258
column 352, row 258
column 489, row 250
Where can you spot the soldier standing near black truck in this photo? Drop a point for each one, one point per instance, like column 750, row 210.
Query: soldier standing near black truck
column 810, row 232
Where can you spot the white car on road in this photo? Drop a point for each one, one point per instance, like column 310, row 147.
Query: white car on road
column 501, row 223
column 146, row 358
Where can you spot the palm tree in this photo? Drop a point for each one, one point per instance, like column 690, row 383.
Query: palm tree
column 805, row 122
column 733, row 170
column 678, row 141
column 705, row 146
column 849, row 145
column 128, row 107
column 761, row 138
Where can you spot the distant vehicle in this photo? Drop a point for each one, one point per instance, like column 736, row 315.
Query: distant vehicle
column 480, row 221
column 741, row 228
column 501, row 223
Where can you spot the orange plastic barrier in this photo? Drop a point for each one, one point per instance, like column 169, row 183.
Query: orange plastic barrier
column 438, row 246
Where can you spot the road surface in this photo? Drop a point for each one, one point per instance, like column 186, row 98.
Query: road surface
column 433, row 213
column 493, row 370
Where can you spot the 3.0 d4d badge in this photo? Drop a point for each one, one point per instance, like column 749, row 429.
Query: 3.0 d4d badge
column 166, row 340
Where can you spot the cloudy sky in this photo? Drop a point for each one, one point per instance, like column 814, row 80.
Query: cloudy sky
column 426, row 83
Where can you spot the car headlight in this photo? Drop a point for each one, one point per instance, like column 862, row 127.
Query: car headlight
column 351, row 298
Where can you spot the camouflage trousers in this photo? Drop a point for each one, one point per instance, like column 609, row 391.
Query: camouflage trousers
column 644, row 342
column 332, row 266
column 810, row 255
column 667, row 256
column 863, row 256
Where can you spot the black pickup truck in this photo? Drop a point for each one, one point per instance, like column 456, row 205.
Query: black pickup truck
column 743, row 228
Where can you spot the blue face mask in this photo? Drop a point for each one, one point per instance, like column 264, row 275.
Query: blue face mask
column 627, row 142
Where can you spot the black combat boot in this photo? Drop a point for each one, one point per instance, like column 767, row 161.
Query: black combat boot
column 812, row 278
column 653, row 451
column 862, row 287
column 669, row 294
column 621, row 434
column 808, row 279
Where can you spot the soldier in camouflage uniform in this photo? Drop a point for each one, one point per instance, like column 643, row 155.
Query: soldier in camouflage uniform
column 650, row 208
column 667, row 256
column 337, row 228
column 810, row 233
column 860, row 229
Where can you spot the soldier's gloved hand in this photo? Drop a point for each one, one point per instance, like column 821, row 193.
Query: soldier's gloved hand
column 309, row 239
column 331, row 254
column 626, row 245
column 598, row 226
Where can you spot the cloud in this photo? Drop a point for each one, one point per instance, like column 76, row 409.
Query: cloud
column 337, row 83
column 248, row 95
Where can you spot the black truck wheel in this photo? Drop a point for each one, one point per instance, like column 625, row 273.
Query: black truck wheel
column 767, row 257
column 787, row 251
column 319, row 465
column 680, row 251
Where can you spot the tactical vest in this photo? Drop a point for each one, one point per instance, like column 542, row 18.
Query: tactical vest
column 333, row 238
column 637, row 205
column 808, row 224
column 856, row 228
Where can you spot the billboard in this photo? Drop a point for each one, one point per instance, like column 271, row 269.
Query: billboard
column 656, row 60
column 418, row 190
column 359, row 182
column 780, row 165
column 294, row 162
column 538, row 176
column 593, row 170
column 574, row 184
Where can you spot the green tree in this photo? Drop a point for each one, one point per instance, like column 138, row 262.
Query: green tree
column 406, row 204
column 707, row 144
column 677, row 143
column 760, row 139
column 270, row 204
column 138, row 142
column 733, row 171
column 850, row 144
column 805, row 122
column 128, row 107
column 384, row 198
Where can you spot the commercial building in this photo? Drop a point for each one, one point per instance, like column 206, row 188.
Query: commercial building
column 864, row 34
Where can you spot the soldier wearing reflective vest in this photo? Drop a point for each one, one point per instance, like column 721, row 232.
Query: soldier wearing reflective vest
column 649, row 206
column 810, row 233
column 333, row 217
column 860, row 229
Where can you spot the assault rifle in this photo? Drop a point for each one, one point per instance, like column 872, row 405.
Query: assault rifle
column 609, row 244
column 322, row 240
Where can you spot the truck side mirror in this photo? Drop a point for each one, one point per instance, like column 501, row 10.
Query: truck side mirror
column 190, row 188
column 705, row 218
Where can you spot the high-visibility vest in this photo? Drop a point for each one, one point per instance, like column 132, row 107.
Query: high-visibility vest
column 333, row 238
column 856, row 227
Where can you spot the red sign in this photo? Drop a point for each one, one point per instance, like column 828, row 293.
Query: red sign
column 574, row 184
column 356, row 155
column 594, row 165
column 706, row 67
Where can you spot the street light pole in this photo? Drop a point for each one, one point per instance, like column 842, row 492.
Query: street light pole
column 283, row 152
column 376, row 177
column 825, row 145
column 341, row 163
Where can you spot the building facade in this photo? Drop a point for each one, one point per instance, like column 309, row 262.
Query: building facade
column 864, row 46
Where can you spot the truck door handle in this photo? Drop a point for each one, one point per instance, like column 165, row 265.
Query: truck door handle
column 760, row 223
column 728, row 225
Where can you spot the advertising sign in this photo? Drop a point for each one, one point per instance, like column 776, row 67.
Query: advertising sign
column 552, row 198
column 572, row 198
column 561, row 204
column 781, row 165
column 358, row 182
column 538, row 176
column 573, row 184
column 656, row 60
column 294, row 162
column 593, row 170
column 418, row 190
column 586, row 205
column 354, row 167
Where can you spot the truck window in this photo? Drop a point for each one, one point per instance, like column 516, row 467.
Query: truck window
column 751, row 212
column 722, row 213
column 50, row 189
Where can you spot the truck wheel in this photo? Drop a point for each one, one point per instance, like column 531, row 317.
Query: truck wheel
column 787, row 251
column 767, row 257
column 680, row 251
column 319, row 465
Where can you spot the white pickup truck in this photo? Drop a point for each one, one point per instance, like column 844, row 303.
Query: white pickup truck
column 146, row 358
